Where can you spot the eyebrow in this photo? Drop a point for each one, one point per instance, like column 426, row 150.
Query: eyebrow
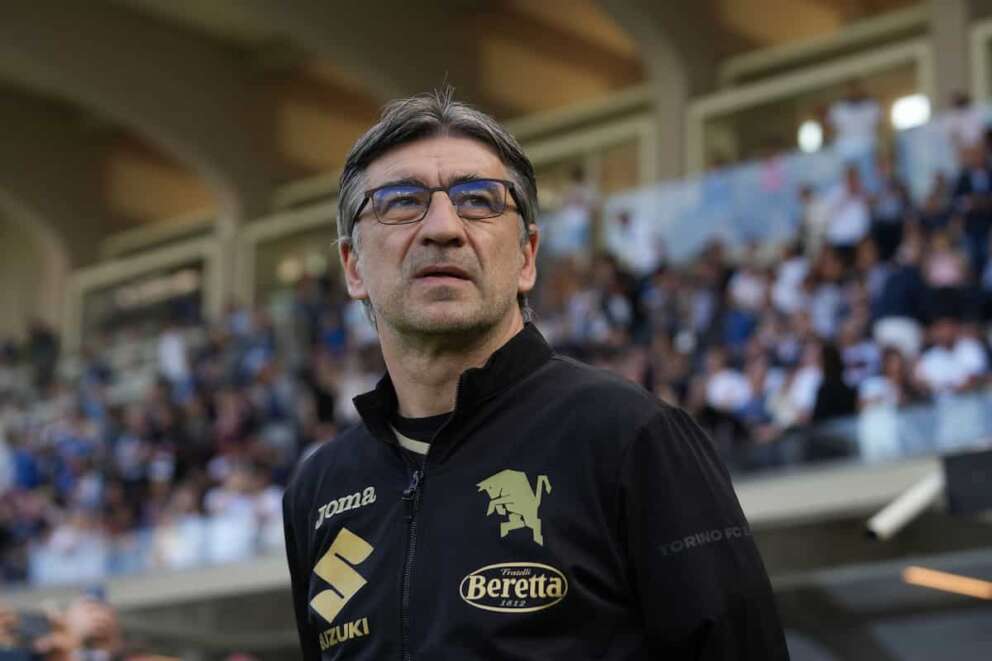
column 416, row 181
column 403, row 181
column 461, row 179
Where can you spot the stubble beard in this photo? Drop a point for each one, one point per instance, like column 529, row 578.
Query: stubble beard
column 458, row 322
column 444, row 313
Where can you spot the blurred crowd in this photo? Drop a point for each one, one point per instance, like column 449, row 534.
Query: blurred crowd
column 86, row 629
column 875, row 311
column 169, row 449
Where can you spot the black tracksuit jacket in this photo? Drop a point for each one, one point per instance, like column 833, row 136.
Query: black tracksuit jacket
column 561, row 513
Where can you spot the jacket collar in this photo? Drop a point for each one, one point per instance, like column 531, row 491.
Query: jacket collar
column 523, row 354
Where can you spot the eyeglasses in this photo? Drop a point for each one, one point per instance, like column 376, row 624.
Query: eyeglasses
column 475, row 199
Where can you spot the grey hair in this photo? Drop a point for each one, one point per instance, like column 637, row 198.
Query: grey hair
column 425, row 116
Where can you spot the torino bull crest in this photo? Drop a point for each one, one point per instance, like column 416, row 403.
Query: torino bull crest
column 510, row 495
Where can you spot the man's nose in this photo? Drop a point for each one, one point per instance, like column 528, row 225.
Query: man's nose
column 442, row 224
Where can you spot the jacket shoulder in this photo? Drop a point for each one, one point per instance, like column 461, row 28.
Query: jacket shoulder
column 600, row 403
column 635, row 424
column 336, row 454
column 602, row 387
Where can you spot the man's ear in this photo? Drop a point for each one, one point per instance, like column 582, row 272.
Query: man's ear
column 528, row 249
column 352, row 273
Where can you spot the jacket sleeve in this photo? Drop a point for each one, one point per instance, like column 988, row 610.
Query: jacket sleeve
column 692, row 562
column 299, row 574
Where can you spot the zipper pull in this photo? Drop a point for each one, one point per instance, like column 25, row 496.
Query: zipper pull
column 412, row 493
column 411, row 490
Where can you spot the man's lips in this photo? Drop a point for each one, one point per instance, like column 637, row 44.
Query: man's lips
column 442, row 271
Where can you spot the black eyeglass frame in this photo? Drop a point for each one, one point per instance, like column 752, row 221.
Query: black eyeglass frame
column 510, row 188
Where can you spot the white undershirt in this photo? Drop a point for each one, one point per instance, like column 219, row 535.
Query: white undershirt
column 410, row 444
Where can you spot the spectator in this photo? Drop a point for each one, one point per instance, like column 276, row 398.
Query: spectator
column 719, row 398
column 43, row 353
column 660, row 301
column 859, row 353
column 964, row 123
column 952, row 364
column 872, row 271
column 567, row 231
column 179, row 540
column 900, row 303
column 88, row 628
column 173, row 360
column 94, row 624
column 763, row 382
column 793, row 403
column 972, row 351
column 935, row 212
column 826, row 294
column 973, row 201
column 985, row 289
column 233, row 524
column 855, row 120
column 747, row 295
column 632, row 239
column 6, row 464
column 671, row 366
column 834, row 398
column 362, row 371
column 787, row 290
column 889, row 208
column 727, row 390
column 849, row 219
column 946, row 273
column 892, row 387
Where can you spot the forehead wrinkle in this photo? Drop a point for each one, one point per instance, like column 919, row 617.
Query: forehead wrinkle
column 436, row 161
column 418, row 181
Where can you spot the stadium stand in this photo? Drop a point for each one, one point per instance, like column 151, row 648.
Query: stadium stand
column 825, row 313
column 170, row 451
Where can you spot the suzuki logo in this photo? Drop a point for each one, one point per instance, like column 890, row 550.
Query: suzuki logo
column 336, row 568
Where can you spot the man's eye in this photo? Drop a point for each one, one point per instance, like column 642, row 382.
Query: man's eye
column 401, row 201
column 477, row 201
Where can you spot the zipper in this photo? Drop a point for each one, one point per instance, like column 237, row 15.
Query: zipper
column 411, row 497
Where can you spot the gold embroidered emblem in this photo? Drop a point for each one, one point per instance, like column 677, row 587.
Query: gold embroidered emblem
column 336, row 568
column 510, row 495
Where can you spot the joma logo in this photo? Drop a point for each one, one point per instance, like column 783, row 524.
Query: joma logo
column 345, row 503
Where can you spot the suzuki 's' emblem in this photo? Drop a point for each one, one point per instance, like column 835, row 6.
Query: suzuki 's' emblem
column 510, row 495
column 336, row 568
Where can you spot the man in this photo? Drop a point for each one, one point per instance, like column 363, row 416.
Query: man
column 499, row 501
column 854, row 121
column 849, row 217
column 973, row 200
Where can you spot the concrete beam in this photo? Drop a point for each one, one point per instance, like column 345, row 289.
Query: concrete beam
column 397, row 48
column 675, row 40
column 554, row 43
column 860, row 34
column 32, row 277
column 53, row 168
column 189, row 96
column 949, row 29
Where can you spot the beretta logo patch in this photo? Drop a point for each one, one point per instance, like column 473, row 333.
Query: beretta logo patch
column 514, row 587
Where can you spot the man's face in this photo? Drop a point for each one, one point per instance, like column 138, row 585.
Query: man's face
column 944, row 333
column 442, row 274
